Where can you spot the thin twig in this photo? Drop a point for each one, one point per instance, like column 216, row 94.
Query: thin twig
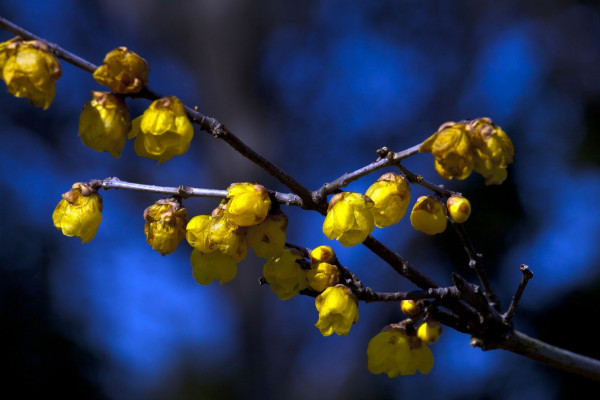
column 526, row 275
column 185, row 191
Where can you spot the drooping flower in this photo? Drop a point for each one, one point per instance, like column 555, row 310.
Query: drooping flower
column 165, row 225
column 391, row 195
column 349, row 218
column 123, row 71
column 104, row 123
column 206, row 267
column 428, row 216
column 394, row 353
column 451, row 147
column 459, row 208
column 492, row 148
column 248, row 204
column 338, row 310
column 162, row 131
column 268, row 238
column 79, row 213
column 211, row 233
column 29, row 70
column 285, row 276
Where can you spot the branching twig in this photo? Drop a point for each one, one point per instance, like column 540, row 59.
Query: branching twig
column 526, row 275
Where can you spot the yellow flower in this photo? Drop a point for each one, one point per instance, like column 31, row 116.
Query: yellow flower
column 206, row 267
column 459, row 208
column 429, row 331
column 322, row 254
column 410, row 307
column 428, row 216
column 322, row 275
column 493, row 150
column 395, row 353
column 338, row 310
column 79, row 212
column 391, row 195
column 123, row 71
column 104, row 123
column 451, row 147
column 210, row 233
column 349, row 218
column 29, row 70
column 284, row 275
column 248, row 204
column 165, row 225
column 268, row 238
column 162, row 131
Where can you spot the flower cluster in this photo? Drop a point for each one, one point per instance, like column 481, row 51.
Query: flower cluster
column 477, row 145
column 394, row 352
column 29, row 70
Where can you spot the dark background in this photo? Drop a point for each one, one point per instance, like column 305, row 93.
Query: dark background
column 316, row 87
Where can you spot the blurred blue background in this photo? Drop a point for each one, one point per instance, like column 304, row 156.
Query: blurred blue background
column 316, row 87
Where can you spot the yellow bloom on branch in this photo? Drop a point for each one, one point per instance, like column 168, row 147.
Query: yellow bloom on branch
column 162, row 131
column 285, row 276
column 322, row 254
column 391, row 195
column 429, row 331
column 29, row 70
column 104, row 123
column 267, row 239
column 248, row 204
column 349, row 218
column 338, row 310
column 206, row 267
column 451, row 147
column 493, row 150
column 165, row 225
column 123, row 71
column 394, row 353
column 322, row 275
column 216, row 233
column 428, row 216
column 79, row 212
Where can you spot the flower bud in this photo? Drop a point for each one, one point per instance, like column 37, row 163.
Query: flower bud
column 338, row 310
column 29, row 70
column 206, row 267
column 104, row 123
column 391, row 195
column 322, row 275
column 428, row 216
column 165, row 225
column 451, row 147
column 349, row 218
column 248, row 204
column 459, row 208
column 429, row 331
column 492, row 148
column 322, row 254
column 79, row 212
column 285, row 276
column 162, row 131
column 123, row 71
column 268, row 238
column 410, row 307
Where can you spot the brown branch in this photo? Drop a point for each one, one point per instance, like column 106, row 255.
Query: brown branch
column 526, row 275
